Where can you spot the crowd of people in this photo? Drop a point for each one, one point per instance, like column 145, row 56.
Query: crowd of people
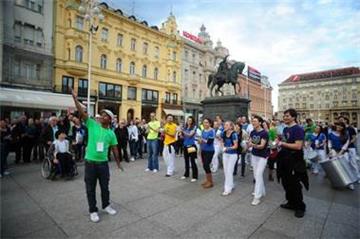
column 284, row 145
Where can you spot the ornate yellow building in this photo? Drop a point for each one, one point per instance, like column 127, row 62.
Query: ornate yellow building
column 136, row 68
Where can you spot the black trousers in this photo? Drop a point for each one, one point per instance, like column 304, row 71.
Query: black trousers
column 293, row 191
column 242, row 158
column 206, row 157
column 123, row 154
column 66, row 163
column 79, row 152
column 38, row 151
column 94, row 172
column 28, row 145
column 140, row 145
column 190, row 158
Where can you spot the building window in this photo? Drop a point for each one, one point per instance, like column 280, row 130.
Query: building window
column 150, row 96
column 304, row 105
column 34, row 5
column 17, row 67
column 145, row 48
column 17, row 32
column 29, row 34
column 78, row 54
column 83, row 87
column 186, row 73
column 133, row 44
column 156, row 73
column 354, row 95
column 118, row 65
column 174, row 56
column 131, row 93
column 175, row 99
column 167, row 97
column 39, row 38
column 104, row 34
column 120, row 38
column 67, row 84
column 132, row 68
column 79, row 22
column 174, row 76
column 311, row 106
column 186, row 55
column 111, row 91
column 157, row 52
column 200, row 94
column 144, row 71
column 103, row 62
column 193, row 57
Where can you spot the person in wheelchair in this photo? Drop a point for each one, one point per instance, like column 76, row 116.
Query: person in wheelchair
column 62, row 161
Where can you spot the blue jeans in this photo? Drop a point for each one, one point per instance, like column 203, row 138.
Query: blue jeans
column 153, row 150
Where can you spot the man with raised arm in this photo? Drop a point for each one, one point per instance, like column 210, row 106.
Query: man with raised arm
column 100, row 138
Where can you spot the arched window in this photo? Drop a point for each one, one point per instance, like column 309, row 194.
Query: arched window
column 78, row 53
column 156, row 73
column 103, row 61
column 132, row 68
column 174, row 76
column 144, row 71
column 118, row 65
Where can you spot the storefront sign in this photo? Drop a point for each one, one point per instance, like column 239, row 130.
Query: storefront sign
column 192, row 37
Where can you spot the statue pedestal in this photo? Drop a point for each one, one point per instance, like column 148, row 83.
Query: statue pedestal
column 229, row 107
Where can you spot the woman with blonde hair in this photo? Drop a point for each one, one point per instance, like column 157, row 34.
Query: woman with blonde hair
column 230, row 142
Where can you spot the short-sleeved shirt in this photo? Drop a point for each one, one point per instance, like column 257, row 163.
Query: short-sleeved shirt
column 292, row 134
column 229, row 142
column 208, row 135
column 351, row 132
column 256, row 137
column 98, row 134
column 189, row 140
column 152, row 135
column 170, row 128
column 337, row 142
column 320, row 138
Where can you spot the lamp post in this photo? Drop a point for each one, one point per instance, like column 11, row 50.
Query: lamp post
column 91, row 11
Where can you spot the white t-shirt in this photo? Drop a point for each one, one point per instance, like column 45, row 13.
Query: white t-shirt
column 61, row 146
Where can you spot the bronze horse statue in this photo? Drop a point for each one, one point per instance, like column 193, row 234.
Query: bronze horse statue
column 227, row 77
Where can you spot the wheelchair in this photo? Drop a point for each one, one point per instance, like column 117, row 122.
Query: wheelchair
column 49, row 170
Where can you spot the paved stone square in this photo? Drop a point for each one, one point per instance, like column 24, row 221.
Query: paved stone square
column 152, row 206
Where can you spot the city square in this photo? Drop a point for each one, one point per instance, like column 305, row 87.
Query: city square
column 179, row 119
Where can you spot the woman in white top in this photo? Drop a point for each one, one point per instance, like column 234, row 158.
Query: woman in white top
column 133, row 138
column 62, row 155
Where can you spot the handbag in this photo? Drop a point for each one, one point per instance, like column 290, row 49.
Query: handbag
column 191, row 149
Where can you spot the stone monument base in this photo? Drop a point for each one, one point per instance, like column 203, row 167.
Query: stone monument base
column 229, row 107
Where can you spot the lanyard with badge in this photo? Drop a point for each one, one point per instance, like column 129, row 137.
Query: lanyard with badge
column 100, row 143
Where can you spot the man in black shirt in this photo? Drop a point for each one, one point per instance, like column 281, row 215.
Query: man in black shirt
column 122, row 136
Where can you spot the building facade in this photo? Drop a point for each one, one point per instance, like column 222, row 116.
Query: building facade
column 199, row 60
column 136, row 68
column 260, row 93
column 323, row 95
column 26, row 49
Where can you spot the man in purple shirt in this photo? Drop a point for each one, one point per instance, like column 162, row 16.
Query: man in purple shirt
column 291, row 168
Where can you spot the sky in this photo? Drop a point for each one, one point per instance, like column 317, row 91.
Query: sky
column 277, row 37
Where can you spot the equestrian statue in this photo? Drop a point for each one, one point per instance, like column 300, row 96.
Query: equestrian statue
column 225, row 75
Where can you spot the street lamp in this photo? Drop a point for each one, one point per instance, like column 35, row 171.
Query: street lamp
column 91, row 11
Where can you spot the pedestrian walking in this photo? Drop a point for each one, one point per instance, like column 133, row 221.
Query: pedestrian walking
column 100, row 138
column 258, row 143
column 133, row 139
column 153, row 129
column 230, row 146
column 169, row 131
column 190, row 149
column 207, row 151
column 291, row 168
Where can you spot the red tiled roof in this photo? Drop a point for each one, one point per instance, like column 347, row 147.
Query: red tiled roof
column 322, row 74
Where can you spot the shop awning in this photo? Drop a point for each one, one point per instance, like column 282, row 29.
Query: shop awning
column 35, row 99
column 174, row 112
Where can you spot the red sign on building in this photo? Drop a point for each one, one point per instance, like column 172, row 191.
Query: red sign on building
column 192, row 37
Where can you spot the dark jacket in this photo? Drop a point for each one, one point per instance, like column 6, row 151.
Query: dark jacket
column 83, row 130
column 48, row 134
column 122, row 135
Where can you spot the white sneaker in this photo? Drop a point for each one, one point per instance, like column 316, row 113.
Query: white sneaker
column 147, row 170
column 193, row 180
column 351, row 187
column 94, row 217
column 110, row 210
column 183, row 177
column 226, row 193
column 6, row 173
column 155, row 170
column 255, row 202
column 132, row 159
